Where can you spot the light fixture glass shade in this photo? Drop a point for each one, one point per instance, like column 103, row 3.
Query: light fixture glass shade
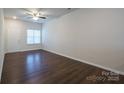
column 35, row 18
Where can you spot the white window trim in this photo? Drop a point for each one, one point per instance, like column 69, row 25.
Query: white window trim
column 33, row 37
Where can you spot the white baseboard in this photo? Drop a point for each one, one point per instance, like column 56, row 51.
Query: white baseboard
column 87, row 62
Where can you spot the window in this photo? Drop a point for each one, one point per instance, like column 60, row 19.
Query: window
column 33, row 36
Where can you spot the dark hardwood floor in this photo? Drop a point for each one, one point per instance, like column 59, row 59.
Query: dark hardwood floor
column 42, row 67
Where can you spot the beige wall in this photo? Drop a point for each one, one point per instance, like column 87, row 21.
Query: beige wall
column 95, row 36
column 1, row 40
column 16, row 35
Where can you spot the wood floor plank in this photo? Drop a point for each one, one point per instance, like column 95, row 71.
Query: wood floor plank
column 42, row 67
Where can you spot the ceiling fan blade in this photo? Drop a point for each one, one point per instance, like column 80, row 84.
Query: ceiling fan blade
column 27, row 10
column 29, row 17
column 28, row 14
column 43, row 17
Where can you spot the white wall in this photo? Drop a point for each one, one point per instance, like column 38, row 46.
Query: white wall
column 90, row 35
column 16, row 35
column 1, row 40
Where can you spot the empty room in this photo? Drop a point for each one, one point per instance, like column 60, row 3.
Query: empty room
column 61, row 45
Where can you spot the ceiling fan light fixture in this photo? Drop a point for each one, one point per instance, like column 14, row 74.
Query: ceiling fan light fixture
column 35, row 18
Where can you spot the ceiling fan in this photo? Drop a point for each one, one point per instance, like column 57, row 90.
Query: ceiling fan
column 35, row 15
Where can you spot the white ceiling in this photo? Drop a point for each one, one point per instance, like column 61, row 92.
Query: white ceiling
column 50, row 13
